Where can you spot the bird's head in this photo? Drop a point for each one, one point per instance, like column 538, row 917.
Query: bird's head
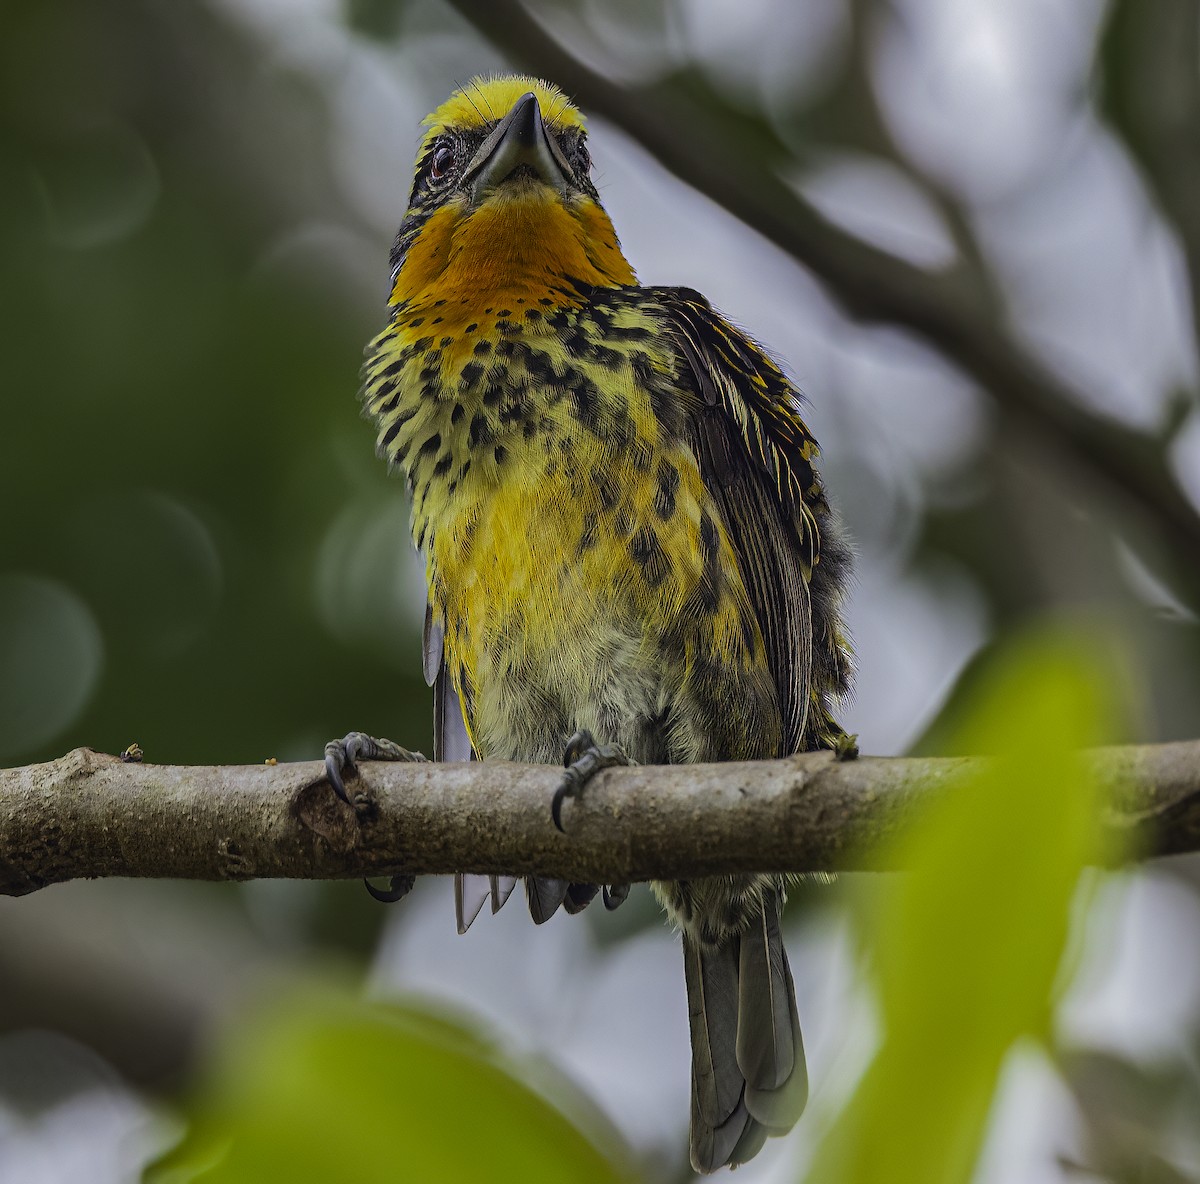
column 503, row 201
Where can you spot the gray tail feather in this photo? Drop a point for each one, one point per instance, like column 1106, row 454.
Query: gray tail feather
column 471, row 893
column 579, row 896
column 545, row 895
column 502, row 889
column 748, row 1074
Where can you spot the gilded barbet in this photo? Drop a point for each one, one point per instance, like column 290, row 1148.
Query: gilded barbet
column 629, row 554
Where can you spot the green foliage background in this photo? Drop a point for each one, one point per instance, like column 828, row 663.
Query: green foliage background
column 183, row 456
column 325, row 1087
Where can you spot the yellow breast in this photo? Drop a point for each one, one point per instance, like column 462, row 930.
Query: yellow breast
column 573, row 552
column 566, row 574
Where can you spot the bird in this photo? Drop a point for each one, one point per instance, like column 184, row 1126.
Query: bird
column 630, row 556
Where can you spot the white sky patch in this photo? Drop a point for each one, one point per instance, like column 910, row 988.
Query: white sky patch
column 1138, row 984
column 806, row 39
column 877, row 202
column 912, row 637
column 1034, row 1121
column 1185, row 457
column 1095, row 282
column 978, row 91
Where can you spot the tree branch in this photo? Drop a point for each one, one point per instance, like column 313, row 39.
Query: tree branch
column 684, row 135
column 90, row 815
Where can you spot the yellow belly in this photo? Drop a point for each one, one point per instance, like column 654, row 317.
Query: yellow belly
column 577, row 590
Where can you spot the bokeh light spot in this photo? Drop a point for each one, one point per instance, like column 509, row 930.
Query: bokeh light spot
column 369, row 579
column 51, row 654
column 98, row 187
column 151, row 564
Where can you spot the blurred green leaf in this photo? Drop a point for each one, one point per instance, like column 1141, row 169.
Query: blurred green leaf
column 968, row 944
column 325, row 1088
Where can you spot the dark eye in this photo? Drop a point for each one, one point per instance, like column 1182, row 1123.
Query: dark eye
column 583, row 159
column 442, row 163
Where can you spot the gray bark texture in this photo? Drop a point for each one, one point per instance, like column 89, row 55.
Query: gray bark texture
column 89, row 815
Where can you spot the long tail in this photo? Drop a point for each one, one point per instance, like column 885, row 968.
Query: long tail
column 749, row 1078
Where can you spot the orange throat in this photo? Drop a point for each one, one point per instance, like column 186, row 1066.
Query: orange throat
column 522, row 245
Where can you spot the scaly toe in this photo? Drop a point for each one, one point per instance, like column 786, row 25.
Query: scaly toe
column 342, row 757
column 579, row 743
column 583, row 758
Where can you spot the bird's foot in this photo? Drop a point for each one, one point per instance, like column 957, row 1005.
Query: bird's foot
column 583, row 758
column 342, row 756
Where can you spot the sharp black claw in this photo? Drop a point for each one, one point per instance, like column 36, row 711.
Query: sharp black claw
column 334, row 776
column 342, row 757
column 556, row 803
column 399, row 887
column 583, row 759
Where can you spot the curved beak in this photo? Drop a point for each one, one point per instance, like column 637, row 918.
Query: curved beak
column 520, row 138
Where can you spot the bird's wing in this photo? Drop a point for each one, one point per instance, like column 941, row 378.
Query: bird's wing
column 452, row 742
column 756, row 460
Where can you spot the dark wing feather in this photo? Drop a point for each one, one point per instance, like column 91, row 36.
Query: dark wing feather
column 755, row 457
column 452, row 742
